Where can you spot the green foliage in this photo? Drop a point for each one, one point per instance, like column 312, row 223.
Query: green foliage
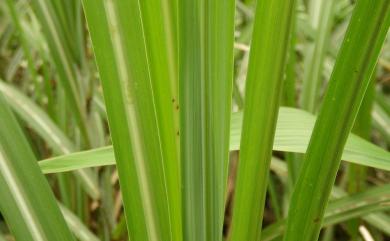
column 350, row 78
column 263, row 91
column 205, row 85
column 27, row 202
column 164, row 120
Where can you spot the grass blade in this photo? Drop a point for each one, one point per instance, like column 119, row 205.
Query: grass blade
column 92, row 158
column 143, row 141
column 267, row 61
column 350, row 78
column 293, row 131
column 162, row 61
column 35, row 117
column 357, row 175
column 27, row 202
column 206, row 37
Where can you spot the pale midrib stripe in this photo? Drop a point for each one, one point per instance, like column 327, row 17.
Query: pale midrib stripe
column 203, row 28
column 61, row 52
column 61, row 145
column 365, row 233
column 73, row 222
column 131, row 119
column 20, row 200
column 380, row 120
column 30, row 112
column 170, row 48
column 155, row 119
column 172, row 67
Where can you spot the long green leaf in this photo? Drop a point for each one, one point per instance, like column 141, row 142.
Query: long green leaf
column 293, row 131
column 35, row 117
column 205, row 82
column 105, row 156
column 267, row 61
column 159, row 28
column 27, row 201
column 92, row 158
column 350, row 78
column 140, row 120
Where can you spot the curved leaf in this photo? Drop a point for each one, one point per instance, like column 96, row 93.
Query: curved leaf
column 35, row 117
column 348, row 83
column 27, row 202
column 293, row 131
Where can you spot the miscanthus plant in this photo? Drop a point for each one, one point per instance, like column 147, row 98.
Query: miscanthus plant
column 194, row 120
